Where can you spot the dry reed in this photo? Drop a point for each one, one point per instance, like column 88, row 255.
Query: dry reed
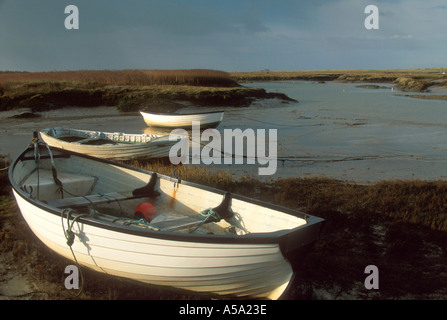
column 194, row 77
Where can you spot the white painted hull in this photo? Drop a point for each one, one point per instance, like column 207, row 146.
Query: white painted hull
column 207, row 119
column 253, row 265
column 124, row 147
column 215, row 268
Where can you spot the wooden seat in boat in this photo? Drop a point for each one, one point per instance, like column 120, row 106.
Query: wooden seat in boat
column 174, row 224
column 98, row 198
column 178, row 224
column 41, row 185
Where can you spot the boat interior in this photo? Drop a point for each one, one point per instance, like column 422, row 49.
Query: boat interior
column 97, row 137
column 124, row 196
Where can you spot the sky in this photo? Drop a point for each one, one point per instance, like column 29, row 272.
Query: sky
column 228, row 35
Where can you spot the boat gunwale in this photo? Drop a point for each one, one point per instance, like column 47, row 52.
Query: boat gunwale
column 156, row 137
column 181, row 114
column 277, row 237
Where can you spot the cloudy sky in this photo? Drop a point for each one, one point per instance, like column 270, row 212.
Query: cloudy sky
column 230, row 35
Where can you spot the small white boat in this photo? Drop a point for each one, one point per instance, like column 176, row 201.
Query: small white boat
column 200, row 239
column 164, row 120
column 109, row 145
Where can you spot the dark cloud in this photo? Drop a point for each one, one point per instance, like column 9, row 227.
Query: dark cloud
column 229, row 35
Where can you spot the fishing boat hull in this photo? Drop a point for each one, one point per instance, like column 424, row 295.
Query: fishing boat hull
column 206, row 119
column 248, row 265
column 109, row 145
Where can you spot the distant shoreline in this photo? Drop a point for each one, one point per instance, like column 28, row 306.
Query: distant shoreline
column 428, row 77
column 170, row 90
column 405, row 80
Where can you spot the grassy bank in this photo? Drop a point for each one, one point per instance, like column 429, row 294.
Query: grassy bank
column 399, row 226
column 389, row 75
column 129, row 90
column 417, row 80
column 161, row 90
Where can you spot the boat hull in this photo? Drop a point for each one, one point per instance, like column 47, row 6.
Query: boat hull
column 125, row 146
column 216, row 268
column 250, row 266
column 206, row 120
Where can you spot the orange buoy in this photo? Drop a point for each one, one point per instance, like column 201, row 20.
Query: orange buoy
column 144, row 210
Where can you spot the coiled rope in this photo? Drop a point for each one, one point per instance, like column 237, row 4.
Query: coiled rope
column 70, row 236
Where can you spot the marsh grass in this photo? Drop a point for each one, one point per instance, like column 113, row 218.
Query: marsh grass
column 419, row 202
column 387, row 75
column 129, row 90
column 195, row 173
column 399, row 226
column 95, row 78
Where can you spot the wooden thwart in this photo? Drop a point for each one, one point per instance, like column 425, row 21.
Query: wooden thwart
column 98, row 198
column 178, row 224
column 168, row 225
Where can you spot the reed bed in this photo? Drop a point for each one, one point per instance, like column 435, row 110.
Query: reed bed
column 195, row 173
column 192, row 77
column 417, row 80
column 418, row 202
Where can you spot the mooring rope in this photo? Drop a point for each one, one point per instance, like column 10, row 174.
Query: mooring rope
column 208, row 214
column 70, row 236
column 282, row 124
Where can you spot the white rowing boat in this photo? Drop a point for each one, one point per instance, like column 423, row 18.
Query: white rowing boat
column 164, row 120
column 200, row 239
column 109, row 145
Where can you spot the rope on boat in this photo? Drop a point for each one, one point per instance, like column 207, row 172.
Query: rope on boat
column 70, row 236
column 208, row 214
column 35, row 142
column 54, row 171
column 129, row 222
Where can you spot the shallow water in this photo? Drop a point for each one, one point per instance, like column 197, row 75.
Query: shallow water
column 341, row 131
column 336, row 130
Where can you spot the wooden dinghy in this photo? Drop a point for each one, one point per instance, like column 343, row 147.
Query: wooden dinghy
column 164, row 120
column 187, row 236
column 109, row 145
